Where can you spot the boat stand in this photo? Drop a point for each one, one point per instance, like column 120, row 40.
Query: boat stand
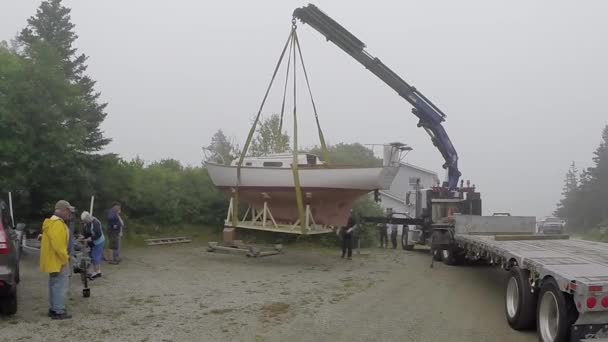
column 257, row 219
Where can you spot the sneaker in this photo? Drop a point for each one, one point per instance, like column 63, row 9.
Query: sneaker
column 51, row 313
column 349, row 258
column 61, row 316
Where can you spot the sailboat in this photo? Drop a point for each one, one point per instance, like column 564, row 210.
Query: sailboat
column 329, row 191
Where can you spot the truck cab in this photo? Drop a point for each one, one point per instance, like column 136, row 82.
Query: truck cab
column 551, row 225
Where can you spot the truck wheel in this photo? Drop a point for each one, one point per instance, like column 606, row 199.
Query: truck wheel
column 452, row 256
column 520, row 301
column 8, row 304
column 555, row 313
column 437, row 254
column 405, row 240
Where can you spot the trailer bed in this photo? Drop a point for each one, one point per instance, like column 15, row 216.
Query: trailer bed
column 567, row 260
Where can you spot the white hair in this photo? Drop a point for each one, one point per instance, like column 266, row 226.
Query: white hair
column 86, row 217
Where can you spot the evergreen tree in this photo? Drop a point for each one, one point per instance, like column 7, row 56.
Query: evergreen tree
column 52, row 25
column 269, row 138
column 222, row 150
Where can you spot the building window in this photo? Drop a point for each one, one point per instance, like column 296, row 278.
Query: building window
column 414, row 180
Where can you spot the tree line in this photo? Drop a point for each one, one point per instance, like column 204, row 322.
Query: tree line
column 51, row 144
column 584, row 204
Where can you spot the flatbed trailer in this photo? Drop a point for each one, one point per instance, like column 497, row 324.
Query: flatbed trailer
column 556, row 284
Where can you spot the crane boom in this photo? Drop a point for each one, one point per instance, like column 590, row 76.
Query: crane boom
column 429, row 115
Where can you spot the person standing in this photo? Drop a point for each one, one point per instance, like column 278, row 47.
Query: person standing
column 115, row 227
column 346, row 233
column 383, row 235
column 54, row 258
column 394, row 232
column 93, row 235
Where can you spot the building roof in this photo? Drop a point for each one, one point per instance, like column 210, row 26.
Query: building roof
column 419, row 168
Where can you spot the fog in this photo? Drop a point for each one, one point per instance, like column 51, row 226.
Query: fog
column 523, row 83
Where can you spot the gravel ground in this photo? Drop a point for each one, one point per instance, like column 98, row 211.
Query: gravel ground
column 183, row 293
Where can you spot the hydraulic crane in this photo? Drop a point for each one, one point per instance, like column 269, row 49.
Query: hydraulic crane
column 429, row 115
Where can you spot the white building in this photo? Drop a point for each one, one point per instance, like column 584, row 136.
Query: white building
column 404, row 182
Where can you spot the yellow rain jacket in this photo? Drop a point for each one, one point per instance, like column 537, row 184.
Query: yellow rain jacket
column 54, row 245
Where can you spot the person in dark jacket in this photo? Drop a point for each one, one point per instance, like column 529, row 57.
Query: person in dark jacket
column 115, row 227
column 383, row 235
column 93, row 235
column 346, row 234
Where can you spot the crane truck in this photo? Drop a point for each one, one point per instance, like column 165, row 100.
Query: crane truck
column 555, row 284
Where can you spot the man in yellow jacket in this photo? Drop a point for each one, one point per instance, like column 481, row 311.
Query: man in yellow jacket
column 54, row 258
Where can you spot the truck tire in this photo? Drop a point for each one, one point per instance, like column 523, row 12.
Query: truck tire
column 8, row 304
column 405, row 240
column 555, row 313
column 520, row 301
column 452, row 256
column 437, row 255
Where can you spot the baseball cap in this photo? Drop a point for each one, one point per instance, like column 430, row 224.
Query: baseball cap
column 63, row 204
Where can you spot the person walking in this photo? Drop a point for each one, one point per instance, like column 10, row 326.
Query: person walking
column 115, row 227
column 54, row 258
column 93, row 235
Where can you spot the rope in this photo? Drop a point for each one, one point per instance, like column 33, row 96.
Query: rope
column 324, row 150
column 251, row 132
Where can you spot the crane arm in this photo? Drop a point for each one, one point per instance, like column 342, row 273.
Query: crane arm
column 430, row 117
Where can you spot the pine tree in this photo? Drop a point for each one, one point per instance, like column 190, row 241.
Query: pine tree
column 569, row 191
column 222, row 150
column 52, row 26
column 269, row 138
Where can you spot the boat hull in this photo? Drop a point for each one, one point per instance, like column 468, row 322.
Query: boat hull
column 329, row 192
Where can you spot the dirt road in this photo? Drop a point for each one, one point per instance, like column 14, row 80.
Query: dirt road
column 183, row 293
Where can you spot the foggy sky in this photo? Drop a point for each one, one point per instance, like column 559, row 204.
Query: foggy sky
column 523, row 83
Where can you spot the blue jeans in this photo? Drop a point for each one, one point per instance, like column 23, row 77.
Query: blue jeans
column 58, row 289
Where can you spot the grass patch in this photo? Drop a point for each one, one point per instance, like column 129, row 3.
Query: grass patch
column 276, row 309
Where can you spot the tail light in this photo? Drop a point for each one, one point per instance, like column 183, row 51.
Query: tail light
column 605, row 302
column 4, row 242
column 591, row 302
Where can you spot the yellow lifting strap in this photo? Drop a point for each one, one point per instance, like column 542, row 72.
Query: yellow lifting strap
column 292, row 43
column 235, row 211
column 324, row 150
column 294, row 164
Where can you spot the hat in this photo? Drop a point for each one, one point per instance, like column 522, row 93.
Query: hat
column 63, row 204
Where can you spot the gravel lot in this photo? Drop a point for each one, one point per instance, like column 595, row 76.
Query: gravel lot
column 183, row 293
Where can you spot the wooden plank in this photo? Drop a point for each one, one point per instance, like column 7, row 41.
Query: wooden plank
column 532, row 237
column 499, row 233
column 166, row 241
column 166, row 238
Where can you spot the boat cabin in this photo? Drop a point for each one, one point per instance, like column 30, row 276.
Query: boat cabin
column 280, row 160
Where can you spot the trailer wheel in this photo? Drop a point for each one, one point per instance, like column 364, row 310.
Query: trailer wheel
column 520, row 301
column 437, row 254
column 555, row 313
column 405, row 239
